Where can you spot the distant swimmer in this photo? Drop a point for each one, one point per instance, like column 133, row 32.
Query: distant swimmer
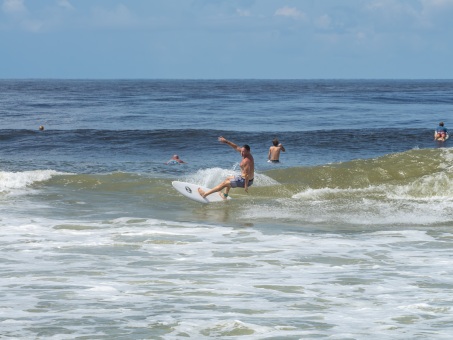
column 274, row 151
column 441, row 133
column 244, row 180
column 41, row 128
column 175, row 160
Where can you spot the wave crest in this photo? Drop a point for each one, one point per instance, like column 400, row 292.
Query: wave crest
column 24, row 179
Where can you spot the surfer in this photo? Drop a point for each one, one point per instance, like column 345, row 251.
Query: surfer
column 274, row 151
column 441, row 133
column 245, row 180
column 175, row 160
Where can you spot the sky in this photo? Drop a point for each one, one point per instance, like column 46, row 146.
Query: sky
column 226, row 39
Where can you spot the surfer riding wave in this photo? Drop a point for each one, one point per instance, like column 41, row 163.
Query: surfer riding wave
column 245, row 180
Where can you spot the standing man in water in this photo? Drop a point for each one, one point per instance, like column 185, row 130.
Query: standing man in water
column 441, row 132
column 274, row 151
column 245, row 180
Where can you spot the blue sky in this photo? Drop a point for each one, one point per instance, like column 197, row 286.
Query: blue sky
column 223, row 39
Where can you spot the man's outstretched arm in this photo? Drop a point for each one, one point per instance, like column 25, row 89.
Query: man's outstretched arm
column 234, row 146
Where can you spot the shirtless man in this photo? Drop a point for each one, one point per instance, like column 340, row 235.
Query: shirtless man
column 245, row 180
column 274, row 152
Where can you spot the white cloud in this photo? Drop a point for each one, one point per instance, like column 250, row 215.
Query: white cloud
column 32, row 25
column 434, row 7
column 437, row 3
column 291, row 12
column 65, row 4
column 432, row 15
column 436, row 15
column 242, row 12
column 393, row 8
column 20, row 16
column 120, row 16
column 323, row 22
column 13, row 6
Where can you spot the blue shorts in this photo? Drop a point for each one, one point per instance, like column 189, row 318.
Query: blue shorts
column 239, row 182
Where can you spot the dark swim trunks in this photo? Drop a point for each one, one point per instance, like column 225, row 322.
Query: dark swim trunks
column 239, row 182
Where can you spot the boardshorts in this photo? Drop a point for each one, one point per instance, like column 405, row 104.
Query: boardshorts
column 239, row 182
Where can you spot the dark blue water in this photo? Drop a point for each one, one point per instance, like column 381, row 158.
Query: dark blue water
column 135, row 125
column 295, row 105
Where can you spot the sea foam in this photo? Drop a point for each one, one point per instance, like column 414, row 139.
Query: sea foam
column 24, row 179
column 212, row 176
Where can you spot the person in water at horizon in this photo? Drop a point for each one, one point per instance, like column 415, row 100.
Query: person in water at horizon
column 175, row 160
column 244, row 180
column 274, row 151
column 441, row 132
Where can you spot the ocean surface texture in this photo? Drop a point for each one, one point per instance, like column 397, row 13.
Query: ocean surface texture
column 349, row 237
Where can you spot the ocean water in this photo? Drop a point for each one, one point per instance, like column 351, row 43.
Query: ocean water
column 349, row 237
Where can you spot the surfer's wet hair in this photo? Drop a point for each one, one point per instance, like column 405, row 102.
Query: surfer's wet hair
column 246, row 147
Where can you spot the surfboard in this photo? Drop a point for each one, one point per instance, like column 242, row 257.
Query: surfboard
column 190, row 190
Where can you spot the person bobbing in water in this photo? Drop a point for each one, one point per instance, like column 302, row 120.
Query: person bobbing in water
column 175, row 160
column 244, row 180
column 441, row 132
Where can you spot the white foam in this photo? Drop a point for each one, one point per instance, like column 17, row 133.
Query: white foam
column 213, row 176
column 438, row 186
column 24, row 179
column 103, row 290
column 208, row 280
column 422, row 202
column 323, row 193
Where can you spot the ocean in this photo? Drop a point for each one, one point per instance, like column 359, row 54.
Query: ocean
column 349, row 237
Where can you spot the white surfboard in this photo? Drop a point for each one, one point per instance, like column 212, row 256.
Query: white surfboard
column 190, row 190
